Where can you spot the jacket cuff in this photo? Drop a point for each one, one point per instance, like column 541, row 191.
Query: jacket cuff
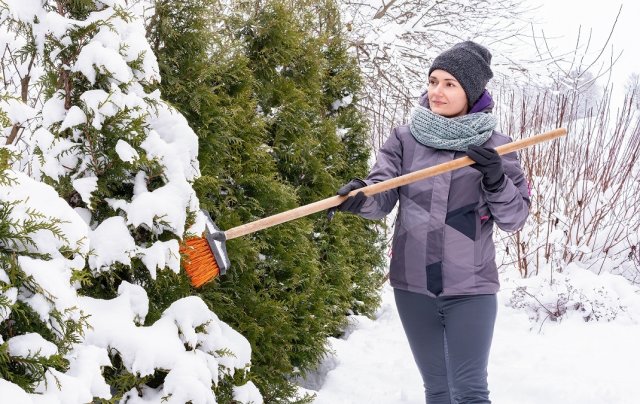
column 493, row 188
column 360, row 181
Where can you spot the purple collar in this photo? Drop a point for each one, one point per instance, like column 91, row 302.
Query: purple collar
column 484, row 103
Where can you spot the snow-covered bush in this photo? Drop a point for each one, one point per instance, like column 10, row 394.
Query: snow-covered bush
column 396, row 41
column 576, row 292
column 39, row 319
column 90, row 237
column 58, row 346
column 553, row 299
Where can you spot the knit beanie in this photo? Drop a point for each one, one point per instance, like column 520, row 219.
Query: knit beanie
column 469, row 63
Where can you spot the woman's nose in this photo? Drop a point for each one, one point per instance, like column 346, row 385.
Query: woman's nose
column 436, row 89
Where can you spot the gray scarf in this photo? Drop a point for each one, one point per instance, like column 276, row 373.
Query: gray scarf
column 455, row 133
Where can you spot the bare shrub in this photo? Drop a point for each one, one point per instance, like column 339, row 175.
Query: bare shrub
column 585, row 189
column 562, row 299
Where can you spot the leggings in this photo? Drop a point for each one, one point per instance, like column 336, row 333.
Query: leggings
column 450, row 338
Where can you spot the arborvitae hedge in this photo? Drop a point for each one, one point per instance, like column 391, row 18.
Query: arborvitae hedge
column 354, row 248
column 95, row 149
column 257, row 85
column 18, row 318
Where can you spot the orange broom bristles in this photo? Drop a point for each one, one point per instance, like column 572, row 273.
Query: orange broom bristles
column 200, row 264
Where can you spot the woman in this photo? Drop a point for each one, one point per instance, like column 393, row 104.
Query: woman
column 443, row 268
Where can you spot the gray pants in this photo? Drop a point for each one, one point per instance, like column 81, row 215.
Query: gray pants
column 450, row 337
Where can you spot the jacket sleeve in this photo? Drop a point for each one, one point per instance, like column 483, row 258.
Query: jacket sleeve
column 388, row 165
column 509, row 205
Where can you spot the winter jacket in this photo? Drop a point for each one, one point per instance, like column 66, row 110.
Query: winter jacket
column 444, row 227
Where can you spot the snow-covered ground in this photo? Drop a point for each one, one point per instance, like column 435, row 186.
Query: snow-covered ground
column 568, row 362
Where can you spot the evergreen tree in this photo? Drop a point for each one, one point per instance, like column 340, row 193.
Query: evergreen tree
column 120, row 156
column 309, row 85
column 124, row 160
column 206, row 76
column 28, row 311
column 353, row 250
column 258, row 86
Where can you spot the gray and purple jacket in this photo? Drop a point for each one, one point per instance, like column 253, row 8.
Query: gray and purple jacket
column 442, row 241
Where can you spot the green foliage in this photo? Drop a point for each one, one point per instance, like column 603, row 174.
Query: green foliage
column 26, row 372
column 12, row 240
column 6, row 159
column 4, row 122
column 89, row 150
column 353, row 245
column 257, row 86
column 121, row 380
column 94, row 149
column 63, row 329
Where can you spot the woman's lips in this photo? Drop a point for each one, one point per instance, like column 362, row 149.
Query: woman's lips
column 437, row 102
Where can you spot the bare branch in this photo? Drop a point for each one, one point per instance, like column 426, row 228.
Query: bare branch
column 383, row 9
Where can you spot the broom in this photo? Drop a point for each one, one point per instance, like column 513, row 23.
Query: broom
column 206, row 257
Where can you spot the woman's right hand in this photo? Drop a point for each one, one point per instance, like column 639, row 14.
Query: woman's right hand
column 352, row 204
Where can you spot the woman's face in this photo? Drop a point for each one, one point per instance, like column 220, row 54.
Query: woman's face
column 446, row 96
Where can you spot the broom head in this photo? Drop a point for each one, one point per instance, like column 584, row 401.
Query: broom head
column 205, row 257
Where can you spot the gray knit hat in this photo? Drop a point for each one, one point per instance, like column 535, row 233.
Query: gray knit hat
column 469, row 63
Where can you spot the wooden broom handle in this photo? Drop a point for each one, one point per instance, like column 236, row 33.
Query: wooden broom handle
column 384, row 186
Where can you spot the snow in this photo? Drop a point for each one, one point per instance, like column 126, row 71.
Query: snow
column 247, row 393
column 53, row 110
column 31, row 344
column 188, row 343
column 94, row 56
column 11, row 295
column 173, row 342
column 17, row 111
column 576, row 292
column 126, row 152
column 71, row 389
column 101, row 104
column 73, row 117
column 24, row 10
column 57, row 153
column 12, row 393
column 85, row 186
column 165, row 203
column 342, row 132
column 161, row 254
column 111, row 242
column 54, row 277
column 39, row 197
column 175, row 142
column 342, row 102
column 571, row 361
column 86, row 364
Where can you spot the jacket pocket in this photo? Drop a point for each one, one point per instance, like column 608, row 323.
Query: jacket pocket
column 484, row 219
column 462, row 230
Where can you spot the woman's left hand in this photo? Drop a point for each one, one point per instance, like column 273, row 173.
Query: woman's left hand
column 489, row 163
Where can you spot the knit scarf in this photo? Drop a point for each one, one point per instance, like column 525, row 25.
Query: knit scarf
column 456, row 133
